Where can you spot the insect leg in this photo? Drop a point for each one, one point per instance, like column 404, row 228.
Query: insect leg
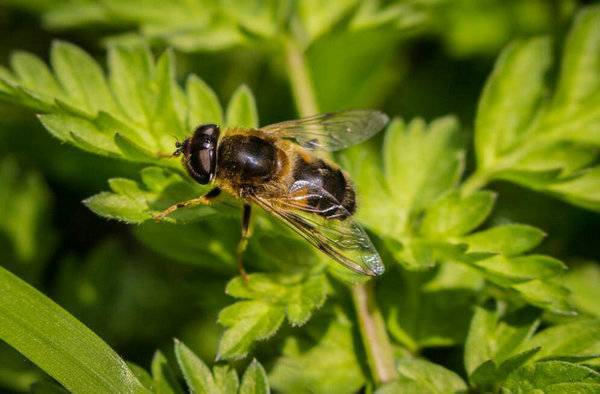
column 244, row 240
column 203, row 200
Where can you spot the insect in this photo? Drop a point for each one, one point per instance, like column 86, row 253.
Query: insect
column 277, row 168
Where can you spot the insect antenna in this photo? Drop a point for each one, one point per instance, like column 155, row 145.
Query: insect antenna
column 178, row 145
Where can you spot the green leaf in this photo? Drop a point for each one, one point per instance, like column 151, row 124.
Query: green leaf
column 547, row 295
column 580, row 67
column 422, row 311
column 165, row 381
column 435, row 147
column 130, row 69
column 83, row 133
column 420, row 376
column 522, row 268
column 542, row 141
column 46, row 387
column 553, row 377
column 247, row 322
column 197, row 375
column 493, row 339
column 25, row 202
column 299, row 295
column 254, row 380
column 582, row 281
column 179, row 242
column 477, row 350
column 581, row 190
column 82, row 79
column 241, row 110
column 203, row 104
column 170, row 104
column 136, row 115
column 142, row 375
column 363, row 163
column 134, row 202
column 35, row 76
column 488, row 374
column 58, row 343
column 319, row 16
column 223, row 379
column 510, row 98
column 508, row 239
column 257, row 16
column 578, row 338
column 453, row 215
column 226, row 378
column 323, row 359
column 389, row 202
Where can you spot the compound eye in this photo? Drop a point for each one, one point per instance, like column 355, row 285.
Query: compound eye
column 209, row 132
column 205, row 160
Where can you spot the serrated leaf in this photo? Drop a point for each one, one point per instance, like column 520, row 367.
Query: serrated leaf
column 319, row 16
column 553, row 377
column 523, row 268
column 89, row 136
column 488, row 374
column 578, row 338
column 165, row 381
column 582, row 280
column 454, row 215
column 298, row 294
column 167, row 113
column 422, row 313
column 247, row 322
column 137, row 115
column 327, row 361
column 436, row 150
column 510, row 98
column 580, row 67
column 197, row 376
column 492, row 341
column 130, row 69
column 135, row 202
column 364, row 164
column 254, row 380
column 546, row 145
column 257, row 16
column 582, row 190
column 241, row 110
column 132, row 150
column 82, row 78
column 35, row 76
column 203, row 104
column 547, row 295
column 477, row 349
column 509, row 239
column 226, row 378
column 420, row 376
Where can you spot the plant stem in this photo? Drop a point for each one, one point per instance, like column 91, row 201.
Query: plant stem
column 380, row 355
column 300, row 80
column 374, row 336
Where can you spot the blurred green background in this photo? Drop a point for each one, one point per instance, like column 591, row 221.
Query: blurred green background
column 433, row 63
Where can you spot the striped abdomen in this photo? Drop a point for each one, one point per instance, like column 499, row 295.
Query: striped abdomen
column 329, row 178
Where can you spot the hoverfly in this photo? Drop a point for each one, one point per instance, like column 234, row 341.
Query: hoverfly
column 276, row 168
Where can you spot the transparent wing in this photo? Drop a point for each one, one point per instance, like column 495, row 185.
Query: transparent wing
column 336, row 234
column 331, row 131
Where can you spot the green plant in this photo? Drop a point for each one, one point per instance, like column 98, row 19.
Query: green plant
column 444, row 255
